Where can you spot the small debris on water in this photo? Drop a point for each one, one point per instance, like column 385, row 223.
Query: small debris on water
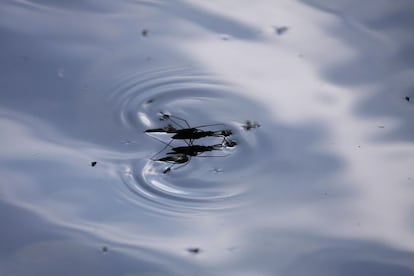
column 144, row 32
column 381, row 126
column 407, row 98
column 217, row 170
column 194, row 250
column 93, row 163
column 164, row 116
column 281, row 30
column 128, row 142
column 105, row 249
column 248, row 125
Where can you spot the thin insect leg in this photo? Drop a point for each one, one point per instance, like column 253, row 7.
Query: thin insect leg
column 165, row 116
column 209, row 125
column 181, row 119
column 191, row 143
column 183, row 165
column 224, row 141
column 166, row 145
column 170, row 167
column 205, row 156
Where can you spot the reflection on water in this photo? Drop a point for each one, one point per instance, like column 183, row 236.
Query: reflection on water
column 306, row 190
column 387, row 68
column 207, row 182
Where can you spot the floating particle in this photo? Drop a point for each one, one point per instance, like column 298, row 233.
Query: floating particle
column 381, row 126
column 281, row 30
column 144, row 32
column 194, row 250
column 248, row 125
column 217, row 170
column 105, row 249
column 407, row 98
column 93, row 163
column 128, row 142
column 164, row 116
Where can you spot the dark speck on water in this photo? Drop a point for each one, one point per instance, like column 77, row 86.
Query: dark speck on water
column 105, row 249
column 281, row 30
column 408, row 98
column 144, row 32
column 248, row 125
column 194, row 250
column 93, row 163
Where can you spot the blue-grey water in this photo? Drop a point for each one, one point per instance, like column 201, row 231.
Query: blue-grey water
column 324, row 186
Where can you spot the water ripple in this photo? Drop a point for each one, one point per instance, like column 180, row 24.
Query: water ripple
column 204, row 183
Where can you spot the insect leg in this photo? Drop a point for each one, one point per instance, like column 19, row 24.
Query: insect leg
column 166, row 145
column 181, row 119
column 168, row 169
column 185, row 164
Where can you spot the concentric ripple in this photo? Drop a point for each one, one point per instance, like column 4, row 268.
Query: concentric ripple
column 207, row 182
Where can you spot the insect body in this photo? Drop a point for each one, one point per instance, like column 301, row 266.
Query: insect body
column 194, row 150
column 182, row 154
column 191, row 133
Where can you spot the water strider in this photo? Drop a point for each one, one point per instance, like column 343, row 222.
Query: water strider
column 188, row 134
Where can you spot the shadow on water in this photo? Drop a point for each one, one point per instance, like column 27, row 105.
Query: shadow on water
column 380, row 36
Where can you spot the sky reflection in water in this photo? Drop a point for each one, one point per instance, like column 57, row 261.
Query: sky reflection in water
column 323, row 187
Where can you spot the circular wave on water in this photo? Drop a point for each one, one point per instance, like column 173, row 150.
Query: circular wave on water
column 208, row 181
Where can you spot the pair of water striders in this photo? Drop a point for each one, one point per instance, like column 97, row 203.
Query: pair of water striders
column 181, row 130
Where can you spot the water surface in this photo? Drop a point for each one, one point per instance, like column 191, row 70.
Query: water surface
column 323, row 186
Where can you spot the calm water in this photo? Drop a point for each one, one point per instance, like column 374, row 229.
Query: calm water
column 324, row 186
